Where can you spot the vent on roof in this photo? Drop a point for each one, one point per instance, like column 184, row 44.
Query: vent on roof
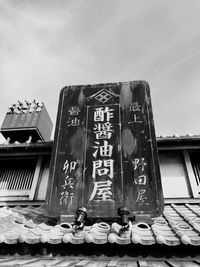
column 18, row 178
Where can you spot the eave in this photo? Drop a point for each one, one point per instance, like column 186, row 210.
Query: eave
column 33, row 149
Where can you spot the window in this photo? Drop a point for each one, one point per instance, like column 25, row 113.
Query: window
column 174, row 175
column 18, row 178
column 193, row 165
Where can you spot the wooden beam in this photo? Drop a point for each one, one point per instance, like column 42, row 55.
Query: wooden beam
column 35, row 178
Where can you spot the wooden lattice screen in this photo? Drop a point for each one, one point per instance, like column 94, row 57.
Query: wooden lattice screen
column 18, row 177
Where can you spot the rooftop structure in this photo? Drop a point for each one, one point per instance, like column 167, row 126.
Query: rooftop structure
column 29, row 236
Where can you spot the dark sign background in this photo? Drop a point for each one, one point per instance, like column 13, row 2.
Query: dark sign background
column 104, row 154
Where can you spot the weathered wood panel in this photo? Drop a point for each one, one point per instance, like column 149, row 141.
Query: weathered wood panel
column 104, row 154
column 80, row 262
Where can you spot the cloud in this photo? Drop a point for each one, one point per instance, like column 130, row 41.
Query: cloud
column 45, row 45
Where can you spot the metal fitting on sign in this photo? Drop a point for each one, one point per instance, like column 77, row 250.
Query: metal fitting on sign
column 81, row 215
column 124, row 213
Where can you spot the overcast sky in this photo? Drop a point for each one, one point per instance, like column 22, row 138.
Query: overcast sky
column 46, row 45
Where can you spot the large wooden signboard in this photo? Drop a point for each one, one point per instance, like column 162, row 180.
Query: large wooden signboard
column 104, row 154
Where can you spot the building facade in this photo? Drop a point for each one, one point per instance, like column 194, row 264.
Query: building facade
column 29, row 237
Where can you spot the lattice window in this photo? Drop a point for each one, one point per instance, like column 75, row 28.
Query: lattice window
column 18, row 178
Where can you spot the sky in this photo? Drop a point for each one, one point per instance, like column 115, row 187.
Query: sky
column 46, row 45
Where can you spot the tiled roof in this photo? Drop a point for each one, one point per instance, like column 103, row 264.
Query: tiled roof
column 160, row 138
column 179, row 224
column 176, row 136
